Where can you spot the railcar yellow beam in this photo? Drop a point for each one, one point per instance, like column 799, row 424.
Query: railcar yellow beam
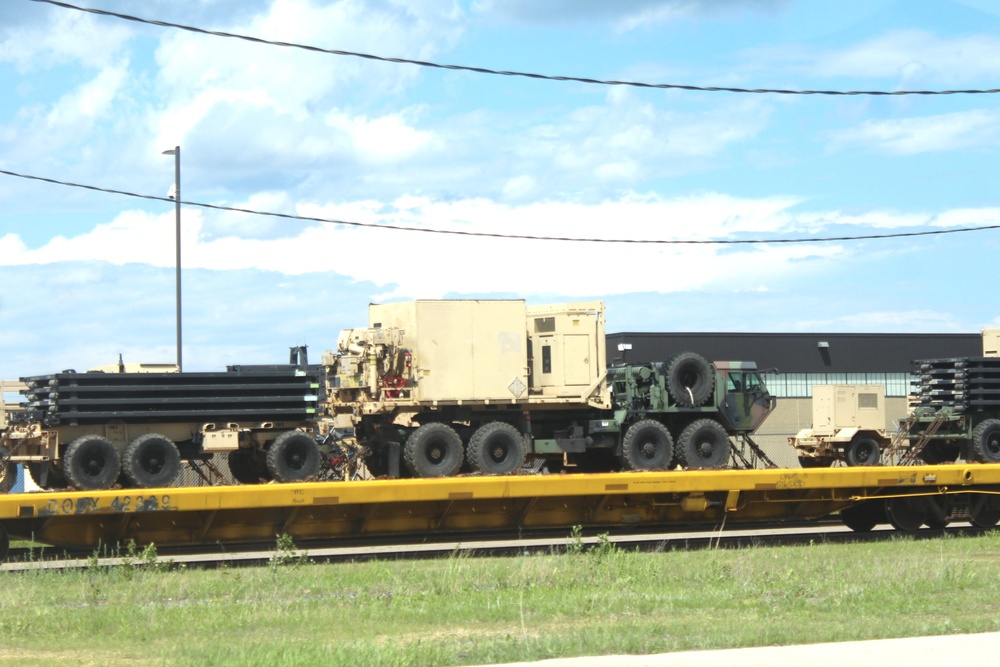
column 199, row 515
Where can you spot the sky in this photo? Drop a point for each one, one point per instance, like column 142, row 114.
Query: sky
column 694, row 195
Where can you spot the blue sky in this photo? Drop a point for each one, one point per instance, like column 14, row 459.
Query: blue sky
column 95, row 100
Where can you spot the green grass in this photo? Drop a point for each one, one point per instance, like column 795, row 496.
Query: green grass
column 465, row 611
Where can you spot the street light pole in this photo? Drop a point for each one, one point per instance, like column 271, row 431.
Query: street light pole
column 176, row 152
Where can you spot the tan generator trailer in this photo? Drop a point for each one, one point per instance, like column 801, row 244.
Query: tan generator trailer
column 848, row 424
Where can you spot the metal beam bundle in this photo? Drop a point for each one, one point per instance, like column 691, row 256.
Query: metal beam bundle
column 962, row 383
column 248, row 395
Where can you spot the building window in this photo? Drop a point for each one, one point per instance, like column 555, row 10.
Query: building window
column 799, row 385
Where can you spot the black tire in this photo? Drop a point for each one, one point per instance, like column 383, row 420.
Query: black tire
column 861, row 518
column 47, row 476
column 986, row 441
column 246, row 466
column 433, row 450
column 91, row 462
column 151, row 460
column 984, row 511
column 377, row 459
column 936, row 451
column 812, row 462
column 862, row 450
column 293, row 457
column 4, row 544
column 647, row 445
column 907, row 513
column 690, row 379
column 703, row 444
column 496, row 448
column 8, row 472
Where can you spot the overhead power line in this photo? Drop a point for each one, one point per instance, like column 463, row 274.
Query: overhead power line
column 497, row 235
column 530, row 75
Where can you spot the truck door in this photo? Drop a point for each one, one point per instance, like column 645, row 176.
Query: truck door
column 747, row 402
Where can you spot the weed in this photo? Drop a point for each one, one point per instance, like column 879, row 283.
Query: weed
column 285, row 552
column 575, row 545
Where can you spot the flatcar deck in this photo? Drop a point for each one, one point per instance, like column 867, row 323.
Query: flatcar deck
column 230, row 514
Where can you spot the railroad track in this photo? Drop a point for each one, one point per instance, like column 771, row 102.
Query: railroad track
column 476, row 544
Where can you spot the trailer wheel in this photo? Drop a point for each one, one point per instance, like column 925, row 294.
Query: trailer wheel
column 91, row 462
column 907, row 513
column 861, row 518
column 690, row 379
column 433, row 450
column 986, row 441
column 46, row 475
column 984, row 511
column 246, row 467
column 647, row 446
column 293, row 457
column 151, row 460
column 938, row 512
column 703, row 444
column 862, row 451
column 4, row 544
column 496, row 448
column 8, row 471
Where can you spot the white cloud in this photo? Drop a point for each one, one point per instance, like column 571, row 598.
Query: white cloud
column 69, row 37
column 421, row 264
column 960, row 130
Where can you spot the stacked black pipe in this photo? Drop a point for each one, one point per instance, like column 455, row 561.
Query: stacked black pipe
column 964, row 384
column 245, row 395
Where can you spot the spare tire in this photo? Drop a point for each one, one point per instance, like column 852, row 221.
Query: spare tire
column 690, row 379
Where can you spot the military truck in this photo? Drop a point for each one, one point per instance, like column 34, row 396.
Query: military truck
column 136, row 424
column 429, row 389
column 848, row 424
column 443, row 386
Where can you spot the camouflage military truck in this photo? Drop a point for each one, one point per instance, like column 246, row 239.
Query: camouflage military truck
column 485, row 386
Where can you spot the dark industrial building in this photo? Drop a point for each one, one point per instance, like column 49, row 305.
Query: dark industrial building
column 803, row 360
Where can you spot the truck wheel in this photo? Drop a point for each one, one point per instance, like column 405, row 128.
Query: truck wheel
column 91, row 462
column 690, row 379
column 433, row 450
column 293, row 457
column 151, row 460
column 984, row 511
column 8, row 472
column 647, row 446
column 862, row 451
column 703, row 444
column 936, row 451
column 246, row 467
column 906, row 514
column 861, row 518
column 496, row 448
column 986, row 441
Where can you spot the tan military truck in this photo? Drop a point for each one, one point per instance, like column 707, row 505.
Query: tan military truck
column 483, row 386
column 848, row 425
column 991, row 342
